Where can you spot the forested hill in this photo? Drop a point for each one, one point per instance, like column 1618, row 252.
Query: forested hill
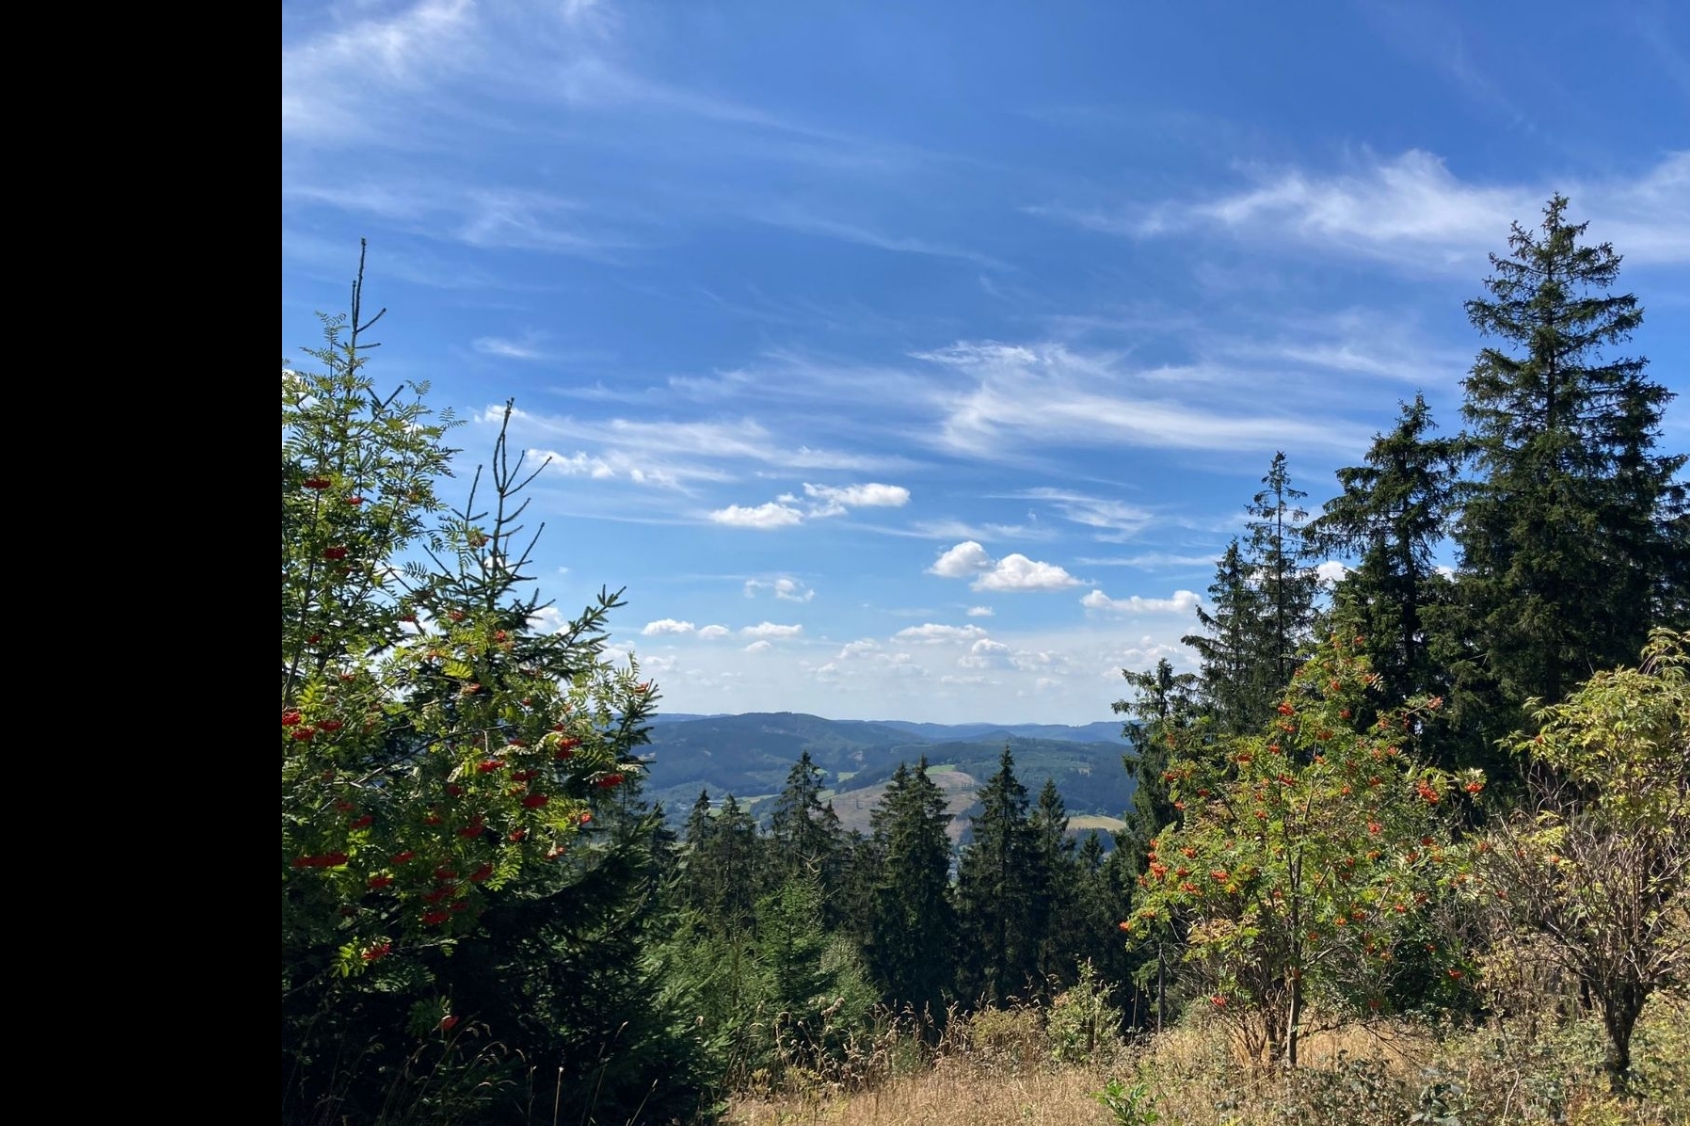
column 750, row 756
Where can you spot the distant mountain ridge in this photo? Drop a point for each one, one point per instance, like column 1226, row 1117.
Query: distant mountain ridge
column 749, row 755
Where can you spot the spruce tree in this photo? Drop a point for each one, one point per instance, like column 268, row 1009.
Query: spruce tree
column 1165, row 705
column 1235, row 691
column 799, row 826
column 995, row 882
column 913, row 932
column 723, row 873
column 1392, row 514
column 1285, row 583
column 1055, row 894
column 1572, row 540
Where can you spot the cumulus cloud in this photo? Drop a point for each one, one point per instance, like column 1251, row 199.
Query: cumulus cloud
column 548, row 619
column 770, row 629
column 1014, row 572
column 835, row 500
column 1182, row 602
column 667, row 625
column 1018, row 573
column 1331, row 571
column 714, row 633
column 855, row 648
column 762, row 517
column 985, row 654
column 758, row 647
column 933, row 633
column 966, row 558
column 785, row 588
column 980, row 611
column 824, row 501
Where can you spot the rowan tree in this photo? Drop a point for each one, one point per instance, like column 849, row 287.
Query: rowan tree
column 1306, row 859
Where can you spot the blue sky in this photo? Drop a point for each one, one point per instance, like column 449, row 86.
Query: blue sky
column 916, row 361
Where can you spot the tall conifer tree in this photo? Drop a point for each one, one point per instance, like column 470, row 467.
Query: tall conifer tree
column 913, row 945
column 995, row 882
column 1392, row 514
column 1165, row 705
column 1567, row 535
column 1285, row 583
column 1234, row 692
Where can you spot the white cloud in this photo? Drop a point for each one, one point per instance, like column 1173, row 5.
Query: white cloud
column 744, row 439
column 1019, row 573
column 1182, row 602
column 1115, row 520
column 548, row 619
column 758, row 647
column 619, row 466
column 935, row 634
column 951, row 529
column 328, row 82
column 1331, row 571
column 1410, row 209
column 825, row 500
column 985, row 654
column 959, row 562
column 784, row 587
column 1151, row 560
column 762, row 517
column 833, row 501
column 980, row 611
column 856, row 648
column 1014, row 572
column 1049, row 395
column 667, row 625
column 714, row 633
column 770, row 629
column 506, row 349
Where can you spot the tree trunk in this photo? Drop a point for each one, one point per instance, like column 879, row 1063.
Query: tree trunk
column 1619, row 1018
column 1295, row 1019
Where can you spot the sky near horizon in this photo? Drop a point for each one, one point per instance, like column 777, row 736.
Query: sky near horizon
column 917, row 361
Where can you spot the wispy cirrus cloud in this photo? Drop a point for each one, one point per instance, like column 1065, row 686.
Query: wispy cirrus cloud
column 1413, row 211
column 1149, row 560
column 735, row 440
column 617, row 465
column 334, row 81
column 794, row 219
column 1112, row 520
column 1048, row 395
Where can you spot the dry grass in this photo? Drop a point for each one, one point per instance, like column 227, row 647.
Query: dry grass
column 996, row 1068
column 944, row 1095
